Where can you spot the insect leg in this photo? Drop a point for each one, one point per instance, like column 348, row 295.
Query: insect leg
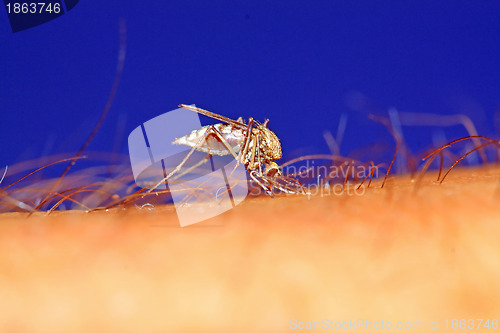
column 252, row 158
column 285, row 184
column 184, row 160
column 292, row 185
column 202, row 161
column 244, row 151
column 259, row 181
column 258, row 154
column 224, row 141
column 246, row 144
column 211, row 130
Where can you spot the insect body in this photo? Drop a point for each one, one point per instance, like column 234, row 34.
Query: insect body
column 253, row 145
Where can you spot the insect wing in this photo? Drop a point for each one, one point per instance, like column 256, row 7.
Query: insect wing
column 214, row 116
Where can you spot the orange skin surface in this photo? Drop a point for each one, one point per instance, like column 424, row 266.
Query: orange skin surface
column 387, row 255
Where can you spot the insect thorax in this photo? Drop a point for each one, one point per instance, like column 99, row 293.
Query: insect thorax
column 268, row 150
column 270, row 144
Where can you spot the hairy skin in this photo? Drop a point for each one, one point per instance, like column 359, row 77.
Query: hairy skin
column 388, row 255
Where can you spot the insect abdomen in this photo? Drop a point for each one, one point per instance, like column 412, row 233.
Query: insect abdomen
column 212, row 144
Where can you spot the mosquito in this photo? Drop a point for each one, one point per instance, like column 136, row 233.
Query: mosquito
column 252, row 144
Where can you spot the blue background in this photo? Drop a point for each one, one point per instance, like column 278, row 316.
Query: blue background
column 298, row 63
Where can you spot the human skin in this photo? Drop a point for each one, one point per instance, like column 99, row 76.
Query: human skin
column 391, row 255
